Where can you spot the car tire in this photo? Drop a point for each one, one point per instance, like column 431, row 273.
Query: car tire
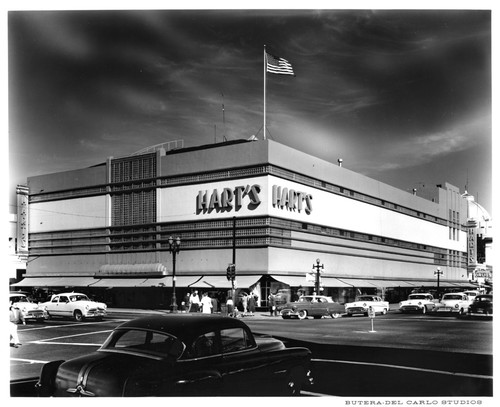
column 424, row 310
column 335, row 315
column 78, row 316
column 302, row 314
column 384, row 311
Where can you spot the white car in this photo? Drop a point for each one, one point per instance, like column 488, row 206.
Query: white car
column 418, row 302
column 453, row 302
column 363, row 304
column 74, row 305
column 30, row 310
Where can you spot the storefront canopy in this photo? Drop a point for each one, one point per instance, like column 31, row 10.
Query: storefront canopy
column 55, row 282
column 132, row 270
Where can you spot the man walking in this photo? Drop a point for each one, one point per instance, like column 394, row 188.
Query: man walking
column 16, row 318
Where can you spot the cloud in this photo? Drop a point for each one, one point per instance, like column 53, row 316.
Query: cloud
column 421, row 149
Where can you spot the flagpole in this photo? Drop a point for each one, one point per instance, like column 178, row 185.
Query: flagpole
column 264, row 127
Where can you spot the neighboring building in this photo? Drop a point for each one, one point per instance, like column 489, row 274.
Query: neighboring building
column 270, row 209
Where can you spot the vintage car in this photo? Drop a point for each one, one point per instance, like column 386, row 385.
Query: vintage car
column 453, row 302
column 30, row 310
column 418, row 302
column 471, row 294
column 315, row 306
column 74, row 305
column 181, row 355
column 363, row 304
column 482, row 304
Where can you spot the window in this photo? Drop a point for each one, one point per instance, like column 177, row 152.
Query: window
column 234, row 339
column 204, row 345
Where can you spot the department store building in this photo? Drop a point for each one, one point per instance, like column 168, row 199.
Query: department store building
column 269, row 209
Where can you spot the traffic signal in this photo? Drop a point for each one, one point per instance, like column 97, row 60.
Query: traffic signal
column 231, row 272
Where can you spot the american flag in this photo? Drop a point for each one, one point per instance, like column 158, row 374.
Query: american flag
column 278, row 65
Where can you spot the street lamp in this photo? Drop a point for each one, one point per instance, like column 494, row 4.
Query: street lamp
column 174, row 247
column 437, row 273
column 317, row 266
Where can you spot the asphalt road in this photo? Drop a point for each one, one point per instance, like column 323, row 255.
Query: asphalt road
column 400, row 355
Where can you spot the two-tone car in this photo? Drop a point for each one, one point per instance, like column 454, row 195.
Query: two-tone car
column 363, row 303
column 316, row 306
column 30, row 310
column 418, row 302
column 74, row 305
column 453, row 303
column 181, row 355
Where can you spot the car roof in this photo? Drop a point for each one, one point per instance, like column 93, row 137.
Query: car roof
column 183, row 326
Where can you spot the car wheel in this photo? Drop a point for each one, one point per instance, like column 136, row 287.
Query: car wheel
column 335, row 315
column 461, row 312
column 424, row 310
column 384, row 311
column 295, row 381
column 302, row 314
column 78, row 315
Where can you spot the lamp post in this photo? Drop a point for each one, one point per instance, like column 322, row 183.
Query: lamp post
column 318, row 267
column 174, row 247
column 437, row 273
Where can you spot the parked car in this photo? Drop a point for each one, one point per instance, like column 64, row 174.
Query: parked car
column 315, row 306
column 471, row 294
column 74, row 305
column 453, row 302
column 418, row 302
column 29, row 309
column 181, row 355
column 364, row 302
column 482, row 304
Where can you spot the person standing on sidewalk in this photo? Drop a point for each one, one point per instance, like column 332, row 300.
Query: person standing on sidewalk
column 16, row 318
column 272, row 304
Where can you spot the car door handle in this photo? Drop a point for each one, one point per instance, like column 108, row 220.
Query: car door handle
column 209, row 376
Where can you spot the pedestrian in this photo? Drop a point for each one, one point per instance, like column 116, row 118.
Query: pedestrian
column 230, row 305
column 215, row 304
column 272, row 303
column 194, row 302
column 206, row 304
column 16, row 318
column 185, row 303
column 251, row 303
column 244, row 302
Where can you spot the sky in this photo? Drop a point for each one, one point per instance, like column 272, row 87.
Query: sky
column 402, row 96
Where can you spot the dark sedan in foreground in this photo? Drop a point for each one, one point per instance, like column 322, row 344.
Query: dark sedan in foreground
column 181, row 355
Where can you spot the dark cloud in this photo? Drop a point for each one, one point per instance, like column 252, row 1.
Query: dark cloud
column 388, row 90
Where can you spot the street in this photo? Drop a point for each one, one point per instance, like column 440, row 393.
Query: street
column 452, row 356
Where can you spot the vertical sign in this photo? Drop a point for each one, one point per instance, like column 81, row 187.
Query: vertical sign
column 22, row 220
column 471, row 247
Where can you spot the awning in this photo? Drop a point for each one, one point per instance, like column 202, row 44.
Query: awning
column 180, row 281
column 212, row 282
column 333, row 282
column 357, row 283
column 294, row 281
column 246, row 281
column 119, row 282
column 132, row 270
column 55, row 282
column 391, row 283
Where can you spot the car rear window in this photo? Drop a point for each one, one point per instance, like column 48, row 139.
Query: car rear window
column 144, row 342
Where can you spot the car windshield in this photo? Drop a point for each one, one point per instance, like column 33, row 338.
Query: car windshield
column 452, row 297
column 19, row 298
column 366, row 298
column 418, row 297
column 147, row 343
column 305, row 299
column 484, row 299
column 78, row 297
